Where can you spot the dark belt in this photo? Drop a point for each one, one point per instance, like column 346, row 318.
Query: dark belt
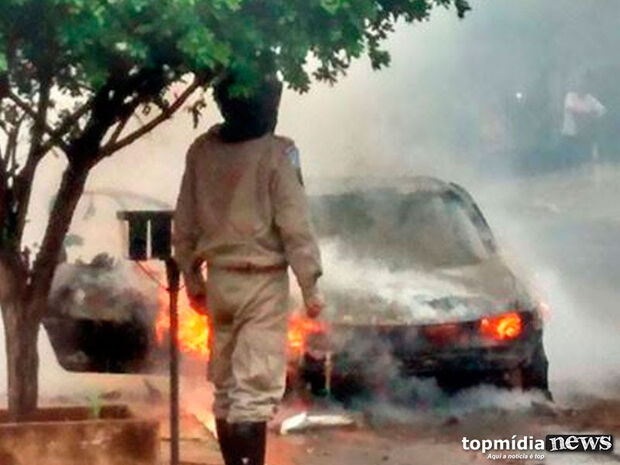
column 254, row 269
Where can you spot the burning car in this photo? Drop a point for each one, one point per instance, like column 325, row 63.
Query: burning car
column 416, row 287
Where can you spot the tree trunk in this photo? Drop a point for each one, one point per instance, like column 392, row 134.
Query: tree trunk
column 24, row 305
column 21, row 336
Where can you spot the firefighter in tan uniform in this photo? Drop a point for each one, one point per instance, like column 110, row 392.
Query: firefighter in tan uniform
column 242, row 210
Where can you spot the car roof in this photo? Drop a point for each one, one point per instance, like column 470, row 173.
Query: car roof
column 377, row 188
column 370, row 185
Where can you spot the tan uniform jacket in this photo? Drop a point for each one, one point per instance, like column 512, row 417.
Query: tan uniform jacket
column 243, row 204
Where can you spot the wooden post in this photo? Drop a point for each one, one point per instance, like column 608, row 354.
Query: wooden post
column 172, row 272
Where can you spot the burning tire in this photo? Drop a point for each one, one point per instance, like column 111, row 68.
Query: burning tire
column 534, row 373
column 531, row 375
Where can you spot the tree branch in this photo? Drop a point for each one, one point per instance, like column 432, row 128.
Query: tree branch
column 36, row 117
column 11, row 147
column 24, row 181
column 4, row 187
column 66, row 126
column 118, row 130
column 4, row 85
column 108, row 107
column 112, row 147
column 23, row 105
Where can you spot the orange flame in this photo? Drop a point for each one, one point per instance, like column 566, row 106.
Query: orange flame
column 502, row 327
column 298, row 331
column 194, row 328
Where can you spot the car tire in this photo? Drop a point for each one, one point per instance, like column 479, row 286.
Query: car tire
column 534, row 373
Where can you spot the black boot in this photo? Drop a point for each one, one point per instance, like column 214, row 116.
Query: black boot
column 248, row 440
column 224, row 437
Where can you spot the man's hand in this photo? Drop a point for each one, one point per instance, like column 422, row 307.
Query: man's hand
column 315, row 306
column 195, row 288
column 198, row 302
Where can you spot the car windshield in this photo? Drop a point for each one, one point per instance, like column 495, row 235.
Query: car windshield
column 426, row 229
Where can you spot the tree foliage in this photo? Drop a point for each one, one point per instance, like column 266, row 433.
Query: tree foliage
column 85, row 42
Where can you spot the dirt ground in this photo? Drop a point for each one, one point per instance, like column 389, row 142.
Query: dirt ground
column 440, row 443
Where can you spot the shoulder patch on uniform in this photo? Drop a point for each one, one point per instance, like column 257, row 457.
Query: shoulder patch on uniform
column 292, row 153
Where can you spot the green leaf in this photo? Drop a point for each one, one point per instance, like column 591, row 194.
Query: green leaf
column 331, row 6
column 202, row 48
column 3, row 63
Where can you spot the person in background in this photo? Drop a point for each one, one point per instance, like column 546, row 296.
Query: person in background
column 582, row 112
column 242, row 209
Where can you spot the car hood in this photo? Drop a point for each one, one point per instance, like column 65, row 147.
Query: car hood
column 377, row 296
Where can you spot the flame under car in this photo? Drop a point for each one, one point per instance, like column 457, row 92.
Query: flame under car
column 416, row 287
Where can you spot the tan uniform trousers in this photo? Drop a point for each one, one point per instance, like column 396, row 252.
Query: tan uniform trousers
column 249, row 314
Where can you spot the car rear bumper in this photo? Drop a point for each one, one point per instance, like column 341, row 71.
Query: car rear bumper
column 468, row 362
column 471, row 359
